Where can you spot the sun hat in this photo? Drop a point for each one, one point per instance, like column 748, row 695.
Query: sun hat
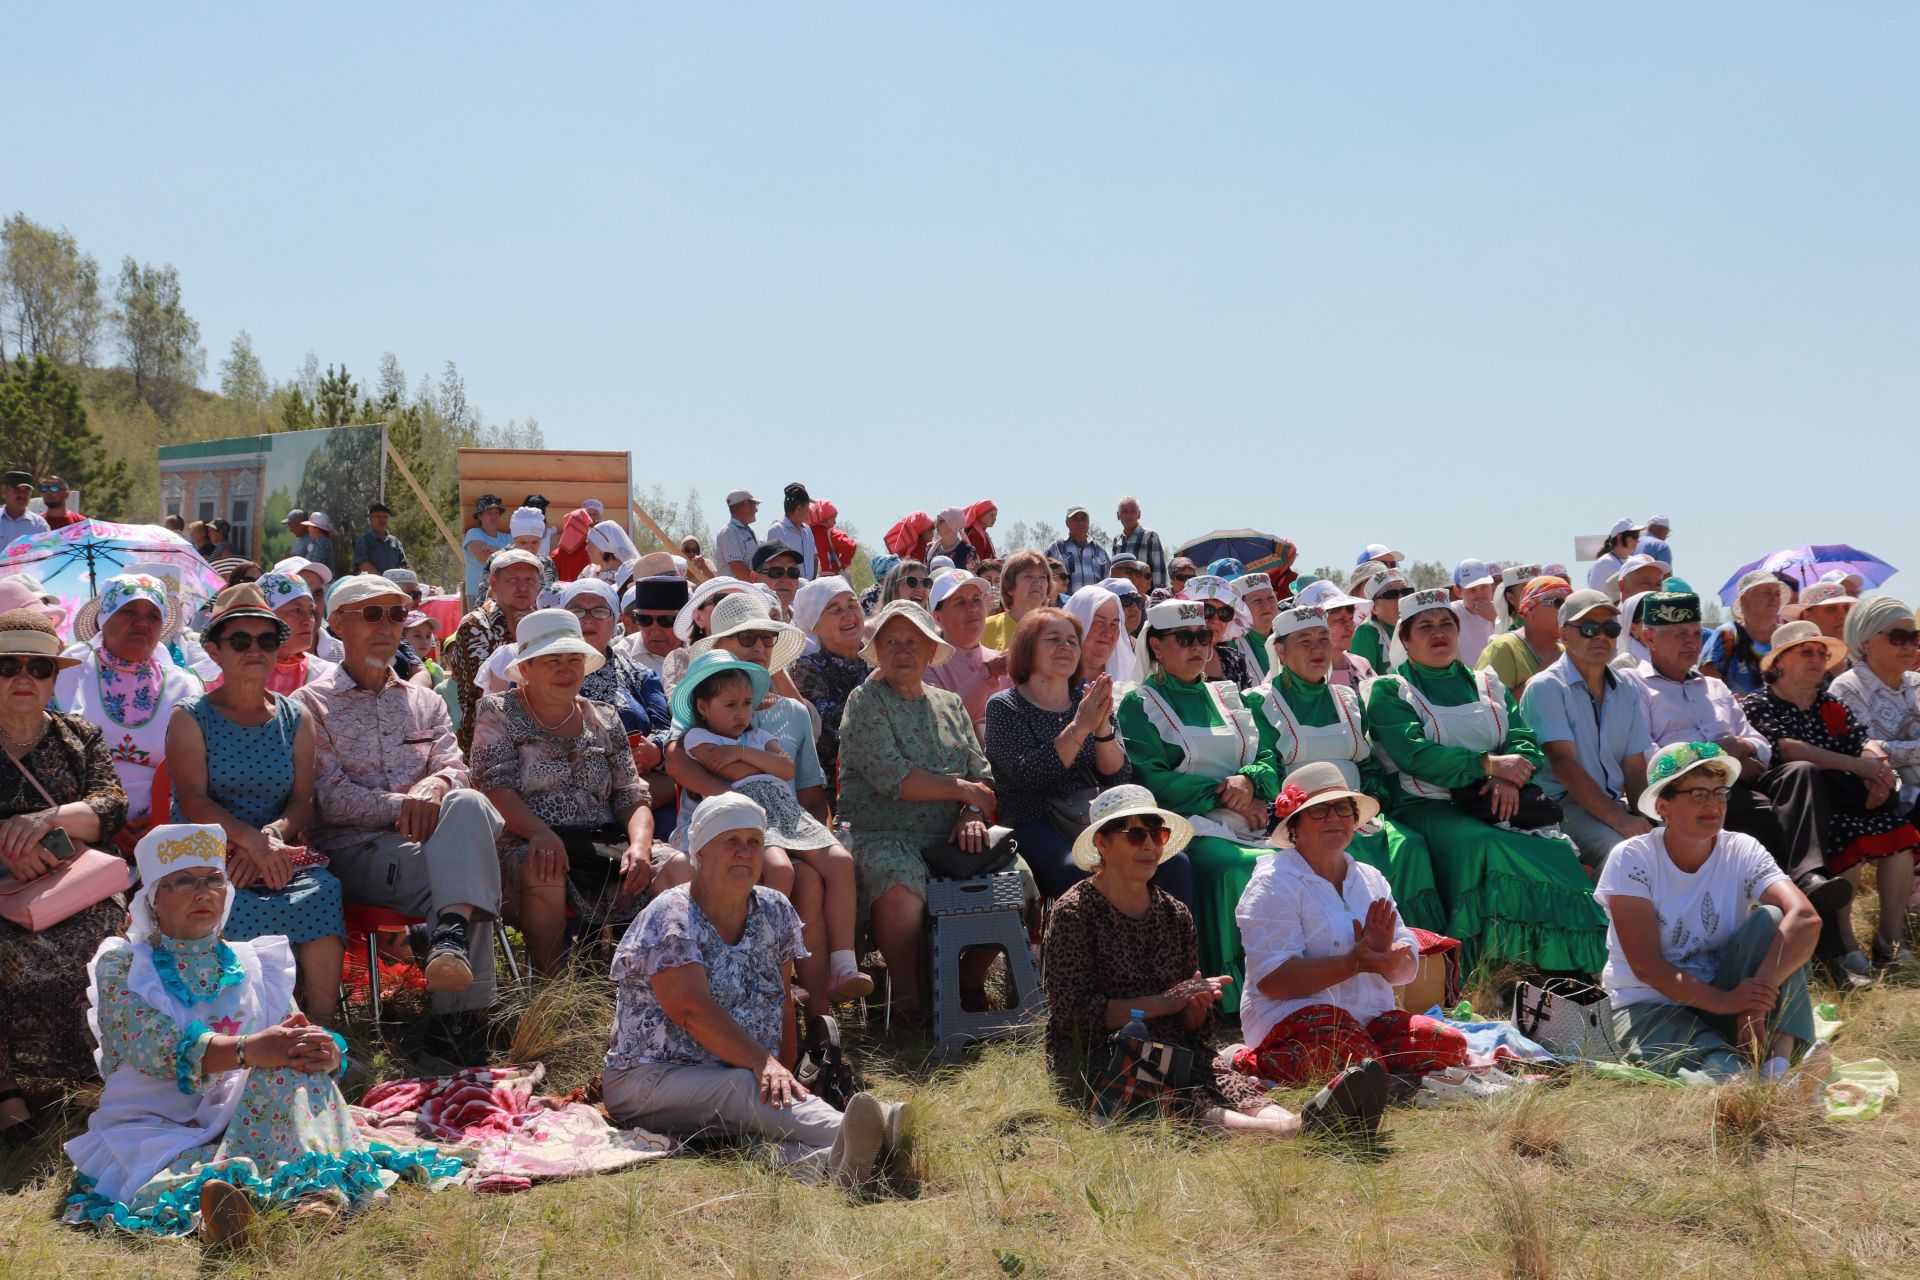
column 1310, row 786
column 294, row 566
column 1674, row 762
column 948, row 584
column 1669, row 609
column 1790, row 635
column 1376, row 551
column 1116, row 804
column 1325, row 595
column 1579, row 604
column 119, row 592
column 1472, row 573
column 706, row 666
column 27, row 633
column 747, row 611
column 487, row 502
column 1364, row 572
column 243, row 600
column 510, row 557
column 1873, row 616
column 660, row 564
column 719, row 585
column 717, row 815
column 1822, row 592
column 320, row 520
column 1375, row 583
column 906, row 611
column 1753, row 580
column 226, row 566
column 738, row 496
column 1212, row 588
column 527, row 522
column 546, row 632
column 358, row 589
column 165, row 849
column 571, row 591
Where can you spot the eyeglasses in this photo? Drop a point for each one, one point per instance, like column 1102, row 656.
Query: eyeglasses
column 1610, row 629
column 394, row 613
column 1150, row 829
column 241, row 641
column 1901, row 638
column 599, row 612
column 913, row 584
column 181, row 882
column 1704, row 795
column 754, row 639
column 1190, row 639
column 1335, row 809
column 652, row 619
column 1219, row 613
column 1396, row 593
column 781, row 571
column 38, row 668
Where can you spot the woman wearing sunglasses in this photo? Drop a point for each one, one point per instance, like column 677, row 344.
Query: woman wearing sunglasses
column 1228, row 619
column 1193, row 743
column 908, row 580
column 1116, row 944
column 242, row 758
column 1384, row 588
column 57, row 790
column 1883, row 687
column 1461, row 749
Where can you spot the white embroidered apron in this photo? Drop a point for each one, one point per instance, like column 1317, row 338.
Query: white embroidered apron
column 1480, row 725
column 1216, row 752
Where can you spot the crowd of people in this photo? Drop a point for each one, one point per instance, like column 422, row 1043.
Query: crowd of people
column 1239, row 791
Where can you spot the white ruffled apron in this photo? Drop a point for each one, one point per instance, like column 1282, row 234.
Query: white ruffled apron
column 1480, row 725
column 1342, row 743
column 1210, row 751
column 144, row 1123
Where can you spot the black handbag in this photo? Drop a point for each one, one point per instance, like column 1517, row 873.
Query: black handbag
column 1537, row 809
column 949, row 861
column 1071, row 813
column 593, row 862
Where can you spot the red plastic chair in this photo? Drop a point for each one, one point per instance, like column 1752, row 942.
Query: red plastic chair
column 367, row 922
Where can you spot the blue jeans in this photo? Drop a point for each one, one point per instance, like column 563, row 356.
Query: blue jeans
column 1049, row 855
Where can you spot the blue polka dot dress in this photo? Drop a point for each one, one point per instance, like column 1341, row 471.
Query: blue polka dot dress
column 250, row 775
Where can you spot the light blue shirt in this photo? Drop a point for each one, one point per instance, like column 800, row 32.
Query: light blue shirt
column 1086, row 562
column 477, row 573
column 1559, row 708
column 26, row 522
column 736, row 542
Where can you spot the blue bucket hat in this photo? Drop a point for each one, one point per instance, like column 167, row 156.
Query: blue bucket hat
column 706, row 666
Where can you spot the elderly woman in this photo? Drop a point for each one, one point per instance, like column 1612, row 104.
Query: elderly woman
column 123, row 685
column 1106, row 643
column 1261, row 603
column 295, row 664
column 1866, row 819
column 1826, row 605
column 1882, row 689
column 65, row 783
column 220, row 1094
column 1194, row 743
column 975, row 672
column 1026, row 583
column 1326, row 947
column 911, row 775
column 557, row 767
column 1707, row 939
column 630, row 689
column 704, row 1035
column 1052, row 744
column 1119, row 947
column 828, row 613
column 1462, row 755
column 1306, row 718
column 1733, row 651
column 242, row 759
column 1519, row 655
column 1342, row 610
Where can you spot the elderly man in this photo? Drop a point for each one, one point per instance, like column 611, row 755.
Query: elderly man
column 393, row 812
column 649, row 607
column 376, row 550
column 513, row 591
column 1139, row 543
column 1473, row 606
column 1592, row 726
column 1085, row 561
column 1782, row 805
column 1134, row 570
column 735, row 546
column 54, row 495
column 16, row 521
column 796, row 531
column 778, row 566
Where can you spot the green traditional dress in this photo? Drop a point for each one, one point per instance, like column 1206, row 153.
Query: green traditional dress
column 1373, row 640
column 1253, row 648
column 1511, row 897
column 1183, row 740
column 1301, row 723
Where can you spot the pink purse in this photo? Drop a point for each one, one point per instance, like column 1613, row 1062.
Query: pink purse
column 90, row 877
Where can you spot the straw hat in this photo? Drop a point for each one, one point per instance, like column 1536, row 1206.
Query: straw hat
column 745, row 612
column 1116, row 804
column 546, row 632
column 1790, row 635
column 1819, row 593
column 1672, row 763
column 119, row 592
column 1310, row 786
column 910, row 612
column 714, row 587
column 26, row 633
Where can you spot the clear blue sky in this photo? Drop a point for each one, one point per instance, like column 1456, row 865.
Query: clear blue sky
column 1469, row 279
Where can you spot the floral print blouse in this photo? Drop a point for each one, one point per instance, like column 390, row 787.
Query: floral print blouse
column 585, row 779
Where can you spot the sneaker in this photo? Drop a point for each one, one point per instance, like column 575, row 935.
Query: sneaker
column 897, row 1148
column 447, row 966
column 1351, row 1104
column 856, row 1149
column 226, row 1214
column 849, row 984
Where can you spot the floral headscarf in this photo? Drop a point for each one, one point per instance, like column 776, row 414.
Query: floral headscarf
column 282, row 589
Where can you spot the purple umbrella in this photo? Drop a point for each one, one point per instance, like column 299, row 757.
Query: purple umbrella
column 1806, row 566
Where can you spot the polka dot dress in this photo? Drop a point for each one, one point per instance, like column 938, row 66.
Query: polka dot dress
column 250, row 775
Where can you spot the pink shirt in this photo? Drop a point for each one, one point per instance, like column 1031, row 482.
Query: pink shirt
column 965, row 673
column 371, row 747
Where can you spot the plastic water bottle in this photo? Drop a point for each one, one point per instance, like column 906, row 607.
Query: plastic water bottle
column 1136, row 1028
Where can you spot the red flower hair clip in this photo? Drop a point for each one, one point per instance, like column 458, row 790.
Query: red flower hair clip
column 1289, row 800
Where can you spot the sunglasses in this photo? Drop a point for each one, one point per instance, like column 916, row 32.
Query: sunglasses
column 599, row 612
column 1185, row 577
column 1218, row 613
column 754, row 639
column 1552, row 602
column 1397, row 593
column 1191, row 639
column 38, row 668
column 1610, row 629
column 1150, row 829
column 781, row 571
column 211, row 882
column 652, row 619
column 1901, row 638
column 241, row 641
column 911, row 583
column 53, row 488
column 1336, row 809
column 394, row 613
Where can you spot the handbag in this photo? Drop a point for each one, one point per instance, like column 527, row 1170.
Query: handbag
column 88, row 879
column 593, row 860
column 1140, row 1079
column 1575, row 1021
column 1071, row 813
column 1537, row 809
column 949, row 861
column 823, row 1066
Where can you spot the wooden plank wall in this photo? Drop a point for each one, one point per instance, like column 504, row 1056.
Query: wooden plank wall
column 566, row 479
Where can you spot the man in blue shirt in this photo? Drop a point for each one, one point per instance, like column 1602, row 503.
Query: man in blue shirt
column 734, row 548
column 15, row 520
column 1086, row 561
column 1592, row 726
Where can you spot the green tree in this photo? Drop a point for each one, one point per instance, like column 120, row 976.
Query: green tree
column 336, row 403
column 158, row 339
column 49, row 294
column 243, row 379
column 1422, row 574
column 44, row 429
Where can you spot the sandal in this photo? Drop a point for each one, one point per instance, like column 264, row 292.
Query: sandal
column 226, row 1215
column 849, row 984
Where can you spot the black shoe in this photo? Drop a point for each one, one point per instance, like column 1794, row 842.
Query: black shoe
column 447, row 966
column 1830, row 895
column 1350, row 1105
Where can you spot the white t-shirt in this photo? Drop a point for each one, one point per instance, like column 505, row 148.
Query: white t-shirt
column 1698, row 913
column 1475, row 631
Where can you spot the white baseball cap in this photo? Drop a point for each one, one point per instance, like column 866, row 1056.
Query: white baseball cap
column 952, row 581
column 1472, row 573
column 1377, row 551
column 1325, row 594
column 739, row 496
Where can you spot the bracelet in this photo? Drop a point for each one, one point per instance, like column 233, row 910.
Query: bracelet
column 240, row 1052
column 1105, row 737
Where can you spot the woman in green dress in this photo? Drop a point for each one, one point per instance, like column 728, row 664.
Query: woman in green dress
column 1194, row 744
column 1512, row 897
column 1384, row 588
column 1305, row 718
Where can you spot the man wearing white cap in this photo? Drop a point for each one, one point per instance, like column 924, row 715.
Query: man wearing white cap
column 735, row 546
column 974, row 672
column 1621, row 540
column 1473, row 605
column 513, row 591
column 1659, row 527
column 394, row 813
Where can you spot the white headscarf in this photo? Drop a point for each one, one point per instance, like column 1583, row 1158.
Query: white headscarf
column 728, row 811
column 1122, row 664
column 609, row 538
column 167, row 848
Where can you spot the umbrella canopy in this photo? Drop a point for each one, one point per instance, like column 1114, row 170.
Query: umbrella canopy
column 1805, row 565
column 72, row 561
column 1245, row 545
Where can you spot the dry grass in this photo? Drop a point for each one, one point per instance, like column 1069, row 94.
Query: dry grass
column 1591, row 1179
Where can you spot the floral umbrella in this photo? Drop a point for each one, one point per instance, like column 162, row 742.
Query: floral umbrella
column 72, row 561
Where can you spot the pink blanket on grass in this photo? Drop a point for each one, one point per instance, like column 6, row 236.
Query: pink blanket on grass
column 496, row 1116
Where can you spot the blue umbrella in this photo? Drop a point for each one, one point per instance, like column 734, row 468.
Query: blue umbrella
column 1806, row 566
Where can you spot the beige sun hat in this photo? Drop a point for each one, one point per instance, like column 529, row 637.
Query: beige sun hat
column 27, row 633
column 546, row 632
column 1789, row 635
column 1816, row 595
column 1116, row 804
column 746, row 611
column 913, row 613
column 1310, row 786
